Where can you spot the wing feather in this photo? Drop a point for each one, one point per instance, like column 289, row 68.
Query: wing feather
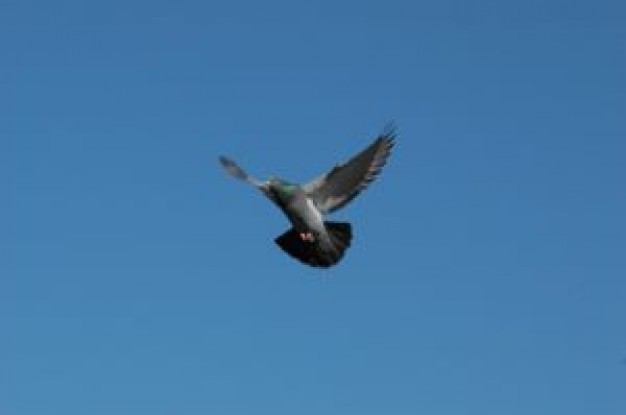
column 344, row 182
column 237, row 172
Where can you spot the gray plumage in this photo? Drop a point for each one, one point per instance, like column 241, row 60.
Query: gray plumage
column 312, row 240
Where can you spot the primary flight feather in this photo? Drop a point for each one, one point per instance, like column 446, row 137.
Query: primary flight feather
column 312, row 240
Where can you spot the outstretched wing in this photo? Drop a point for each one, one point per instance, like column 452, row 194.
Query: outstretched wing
column 237, row 172
column 343, row 183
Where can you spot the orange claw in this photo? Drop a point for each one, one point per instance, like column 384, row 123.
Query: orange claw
column 307, row 236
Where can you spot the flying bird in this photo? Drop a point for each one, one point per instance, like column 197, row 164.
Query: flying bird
column 312, row 240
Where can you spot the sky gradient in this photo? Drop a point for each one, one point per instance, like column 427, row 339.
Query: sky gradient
column 487, row 272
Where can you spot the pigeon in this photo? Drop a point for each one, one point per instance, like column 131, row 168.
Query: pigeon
column 311, row 239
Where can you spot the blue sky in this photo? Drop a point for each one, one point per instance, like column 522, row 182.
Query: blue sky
column 487, row 271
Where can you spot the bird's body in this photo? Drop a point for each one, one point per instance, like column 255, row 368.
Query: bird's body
column 297, row 206
column 312, row 240
column 308, row 227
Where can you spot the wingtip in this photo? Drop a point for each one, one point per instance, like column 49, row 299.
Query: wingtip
column 225, row 161
column 389, row 133
column 231, row 167
column 387, row 138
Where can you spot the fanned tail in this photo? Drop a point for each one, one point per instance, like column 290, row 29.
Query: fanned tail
column 314, row 253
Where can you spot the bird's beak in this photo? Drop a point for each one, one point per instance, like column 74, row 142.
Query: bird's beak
column 265, row 187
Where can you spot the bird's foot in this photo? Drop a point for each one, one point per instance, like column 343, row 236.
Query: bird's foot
column 307, row 236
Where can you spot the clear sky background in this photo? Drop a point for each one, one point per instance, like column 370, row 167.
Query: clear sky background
column 488, row 271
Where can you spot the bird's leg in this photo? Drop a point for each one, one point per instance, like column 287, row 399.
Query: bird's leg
column 307, row 236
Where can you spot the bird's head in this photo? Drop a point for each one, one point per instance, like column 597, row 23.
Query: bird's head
column 282, row 189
